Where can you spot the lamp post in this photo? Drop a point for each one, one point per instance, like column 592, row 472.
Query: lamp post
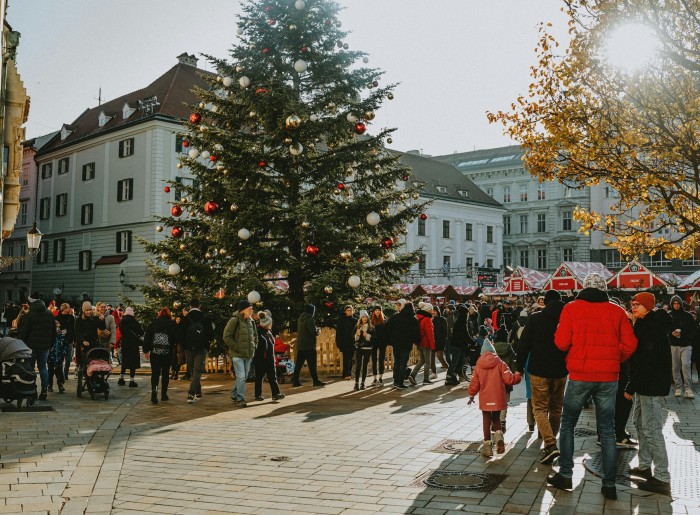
column 33, row 242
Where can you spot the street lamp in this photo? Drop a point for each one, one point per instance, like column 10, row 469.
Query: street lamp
column 34, row 240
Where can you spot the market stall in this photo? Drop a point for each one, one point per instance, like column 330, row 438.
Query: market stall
column 569, row 275
column 635, row 277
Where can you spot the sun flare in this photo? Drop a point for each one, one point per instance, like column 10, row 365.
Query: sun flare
column 631, row 47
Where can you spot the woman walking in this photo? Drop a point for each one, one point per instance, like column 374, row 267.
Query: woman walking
column 264, row 359
column 363, row 348
column 379, row 343
column 158, row 346
column 132, row 333
column 440, row 329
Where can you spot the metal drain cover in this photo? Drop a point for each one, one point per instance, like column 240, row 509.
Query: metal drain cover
column 446, row 480
column 457, row 447
column 583, row 432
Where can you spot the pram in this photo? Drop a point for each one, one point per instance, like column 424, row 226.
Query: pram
column 94, row 372
column 17, row 376
column 284, row 366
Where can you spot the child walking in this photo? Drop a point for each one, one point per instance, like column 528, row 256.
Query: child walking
column 488, row 380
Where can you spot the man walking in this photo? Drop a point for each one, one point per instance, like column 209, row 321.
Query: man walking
column 681, row 336
column 241, row 336
column 597, row 336
column 403, row 331
column 38, row 330
column 306, row 345
column 547, row 367
column 345, row 339
column 198, row 333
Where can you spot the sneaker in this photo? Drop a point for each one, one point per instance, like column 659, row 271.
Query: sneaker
column 609, row 492
column 412, row 380
column 241, row 404
column 197, row 397
column 190, row 399
column 50, row 389
column 375, row 382
column 689, row 395
column 296, row 384
column 500, row 444
column 319, row 383
column 154, row 396
column 61, row 388
column 655, row 485
column 627, row 442
column 278, row 397
column 639, row 472
column 133, row 384
column 486, row 449
column 357, row 387
column 549, row 455
column 164, row 397
column 433, row 375
column 678, row 392
column 121, row 381
column 401, row 387
column 381, row 382
column 427, row 381
column 558, row 481
column 362, row 386
column 260, row 398
column 42, row 396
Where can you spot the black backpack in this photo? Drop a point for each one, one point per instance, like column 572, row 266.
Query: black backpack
column 195, row 336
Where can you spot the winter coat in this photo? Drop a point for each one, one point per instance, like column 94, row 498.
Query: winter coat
column 67, row 323
column 450, row 318
column 427, row 331
column 345, row 333
column 597, row 336
column 494, row 319
column 161, row 336
column 484, row 313
column 488, row 379
column 131, row 332
column 403, row 329
column 650, row 365
column 196, row 316
column 265, row 349
column 684, row 321
column 240, row 336
column 461, row 339
column 537, row 340
column 379, row 337
column 85, row 331
column 363, row 339
column 110, row 325
column 307, row 332
column 440, row 329
column 38, row 327
column 473, row 324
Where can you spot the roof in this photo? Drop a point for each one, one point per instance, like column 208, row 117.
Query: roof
column 38, row 142
column 501, row 157
column 434, row 173
column 691, row 282
column 635, row 277
column 534, row 278
column 173, row 90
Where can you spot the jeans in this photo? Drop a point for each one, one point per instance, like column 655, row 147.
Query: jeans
column 547, row 400
column 361, row 362
column 241, row 367
column 160, row 369
column 69, row 359
column 195, row 363
column 648, row 419
column 41, row 358
column 401, row 355
column 680, row 357
column 577, row 392
column 423, row 359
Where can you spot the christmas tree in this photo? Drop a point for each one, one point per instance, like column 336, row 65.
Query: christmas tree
column 295, row 198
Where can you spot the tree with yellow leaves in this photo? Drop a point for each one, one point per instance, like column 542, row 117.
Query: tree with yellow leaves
column 586, row 120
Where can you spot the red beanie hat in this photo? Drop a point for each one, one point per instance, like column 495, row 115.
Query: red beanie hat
column 646, row 299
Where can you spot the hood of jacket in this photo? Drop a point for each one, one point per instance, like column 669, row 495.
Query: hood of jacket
column 592, row 295
column 37, row 306
column 423, row 313
column 488, row 360
column 553, row 309
column 407, row 311
column 676, row 298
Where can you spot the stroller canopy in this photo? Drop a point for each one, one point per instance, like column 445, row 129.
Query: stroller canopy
column 97, row 353
column 13, row 348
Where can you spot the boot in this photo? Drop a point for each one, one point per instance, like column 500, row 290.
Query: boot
column 164, row 395
column 154, row 395
column 486, row 449
column 500, row 445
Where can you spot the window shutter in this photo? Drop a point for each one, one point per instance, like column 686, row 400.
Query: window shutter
column 120, row 190
column 55, row 251
column 131, row 189
column 178, row 191
column 58, row 205
column 128, row 245
column 121, row 149
column 84, row 172
column 119, row 242
column 63, row 251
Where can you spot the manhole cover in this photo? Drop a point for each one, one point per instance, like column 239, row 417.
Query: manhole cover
column 25, row 409
column 457, row 447
column 685, row 480
column 473, row 481
column 583, row 432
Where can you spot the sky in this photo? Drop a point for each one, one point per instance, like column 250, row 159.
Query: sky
column 454, row 59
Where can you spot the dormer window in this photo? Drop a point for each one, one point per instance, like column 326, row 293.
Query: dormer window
column 66, row 131
column 104, row 118
column 127, row 111
column 463, row 193
column 441, row 189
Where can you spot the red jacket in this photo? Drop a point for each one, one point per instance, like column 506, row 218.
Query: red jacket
column 427, row 332
column 490, row 376
column 597, row 335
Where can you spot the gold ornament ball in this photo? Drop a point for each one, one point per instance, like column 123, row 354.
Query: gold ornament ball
column 163, row 256
column 369, row 115
column 177, row 304
column 328, row 289
column 288, row 141
column 222, row 252
column 415, row 196
column 183, row 246
column 390, row 96
column 345, row 255
column 159, row 228
column 389, row 141
column 305, row 225
column 331, row 107
column 179, row 166
column 403, row 196
column 183, row 200
column 207, row 255
column 293, row 121
column 219, row 167
column 336, row 192
column 202, row 105
column 377, row 167
column 234, row 208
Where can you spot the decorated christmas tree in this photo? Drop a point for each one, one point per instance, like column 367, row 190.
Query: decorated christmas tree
column 294, row 198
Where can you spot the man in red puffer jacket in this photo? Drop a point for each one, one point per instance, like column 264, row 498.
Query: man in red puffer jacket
column 598, row 336
column 426, row 344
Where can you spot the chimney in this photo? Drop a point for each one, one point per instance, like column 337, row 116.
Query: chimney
column 189, row 60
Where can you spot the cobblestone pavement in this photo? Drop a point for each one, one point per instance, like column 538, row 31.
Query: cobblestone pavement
column 320, row 450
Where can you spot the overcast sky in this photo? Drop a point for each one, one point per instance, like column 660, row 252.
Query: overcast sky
column 455, row 59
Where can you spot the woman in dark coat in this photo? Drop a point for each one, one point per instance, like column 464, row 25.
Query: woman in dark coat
column 461, row 342
column 379, row 342
column 440, row 331
column 132, row 334
column 85, row 331
column 159, row 345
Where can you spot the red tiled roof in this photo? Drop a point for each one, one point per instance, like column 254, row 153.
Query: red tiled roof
column 174, row 89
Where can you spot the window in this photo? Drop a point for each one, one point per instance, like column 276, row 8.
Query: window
column 125, row 190
column 540, row 191
column 470, row 232
column 23, row 263
column 85, row 260
column 63, row 165
column 524, row 258
column 523, row 192
column 43, row 255
column 25, row 179
column 542, row 259
column 541, row 222
column 507, row 257
column 469, row 262
column 568, row 254
column 178, row 144
column 607, row 192
column 489, row 263
column 506, row 225
column 566, row 220
column 46, row 170
column 10, row 252
column 86, row 214
column 441, row 189
column 61, row 204
column 567, row 192
column 124, row 241
column 489, row 192
column 59, row 250
column 126, row 148
column 489, row 234
column 45, row 208
column 463, row 193
column 23, row 213
column 88, row 171
column 506, row 194
column 421, row 262
column 523, row 224
column 445, row 228
column 421, row 227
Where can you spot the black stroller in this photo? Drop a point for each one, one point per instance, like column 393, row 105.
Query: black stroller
column 17, row 376
column 93, row 372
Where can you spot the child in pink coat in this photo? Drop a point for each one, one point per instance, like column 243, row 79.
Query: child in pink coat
column 490, row 376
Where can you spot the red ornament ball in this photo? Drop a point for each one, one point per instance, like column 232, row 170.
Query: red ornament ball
column 212, row 158
column 185, row 143
column 423, row 216
column 387, row 243
column 176, row 210
column 341, row 186
column 360, row 128
column 328, row 304
column 312, row 250
column 260, row 91
column 262, row 163
column 304, row 49
column 265, row 50
column 328, row 22
column 211, row 207
column 166, row 189
column 273, row 23
column 195, row 117
column 177, row 232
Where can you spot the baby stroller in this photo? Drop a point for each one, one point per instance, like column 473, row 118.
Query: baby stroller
column 284, row 366
column 94, row 372
column 17, row 376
